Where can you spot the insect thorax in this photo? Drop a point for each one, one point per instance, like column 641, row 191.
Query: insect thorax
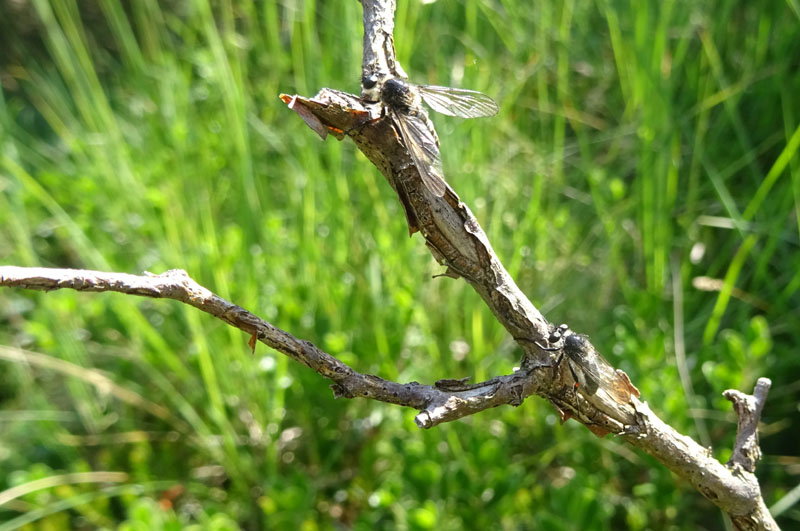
column 397, row 94
column 574, row 345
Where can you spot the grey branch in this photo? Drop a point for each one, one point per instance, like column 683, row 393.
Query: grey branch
column 446, row 401
column 746, row 452
column 457, row 241
column 379, row 56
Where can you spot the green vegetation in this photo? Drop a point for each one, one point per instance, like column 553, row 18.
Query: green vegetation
column 644, row 153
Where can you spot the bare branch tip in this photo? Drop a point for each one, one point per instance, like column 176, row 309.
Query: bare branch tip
column 762, row 388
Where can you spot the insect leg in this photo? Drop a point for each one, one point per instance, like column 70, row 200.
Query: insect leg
column 574, row 377
column 548, row 349
column 542, row 347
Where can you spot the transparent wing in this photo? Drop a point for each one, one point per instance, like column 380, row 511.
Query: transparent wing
column 458, row 102
column 424, row 150
column 600, row 372
column 596, row 370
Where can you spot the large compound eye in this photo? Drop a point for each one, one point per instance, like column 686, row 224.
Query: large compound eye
column 369, row 81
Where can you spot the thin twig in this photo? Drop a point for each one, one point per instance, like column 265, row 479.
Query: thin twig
column 748, row 408
column 436, row 403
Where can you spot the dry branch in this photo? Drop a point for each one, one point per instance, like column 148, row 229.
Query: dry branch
column 446, row 401
column 456, row 240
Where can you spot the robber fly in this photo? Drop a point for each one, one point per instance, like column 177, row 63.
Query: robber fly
column 402, row 101
column 590, row 370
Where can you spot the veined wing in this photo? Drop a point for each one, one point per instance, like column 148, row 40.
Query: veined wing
column 458, row 102
column 597, row 371
column 424, row 150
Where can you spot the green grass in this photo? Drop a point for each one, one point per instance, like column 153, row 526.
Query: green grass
column 151, row 137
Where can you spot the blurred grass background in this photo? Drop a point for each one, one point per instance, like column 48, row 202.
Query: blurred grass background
column 641, row 183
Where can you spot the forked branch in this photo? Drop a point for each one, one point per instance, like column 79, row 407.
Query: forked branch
column 457, row 241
